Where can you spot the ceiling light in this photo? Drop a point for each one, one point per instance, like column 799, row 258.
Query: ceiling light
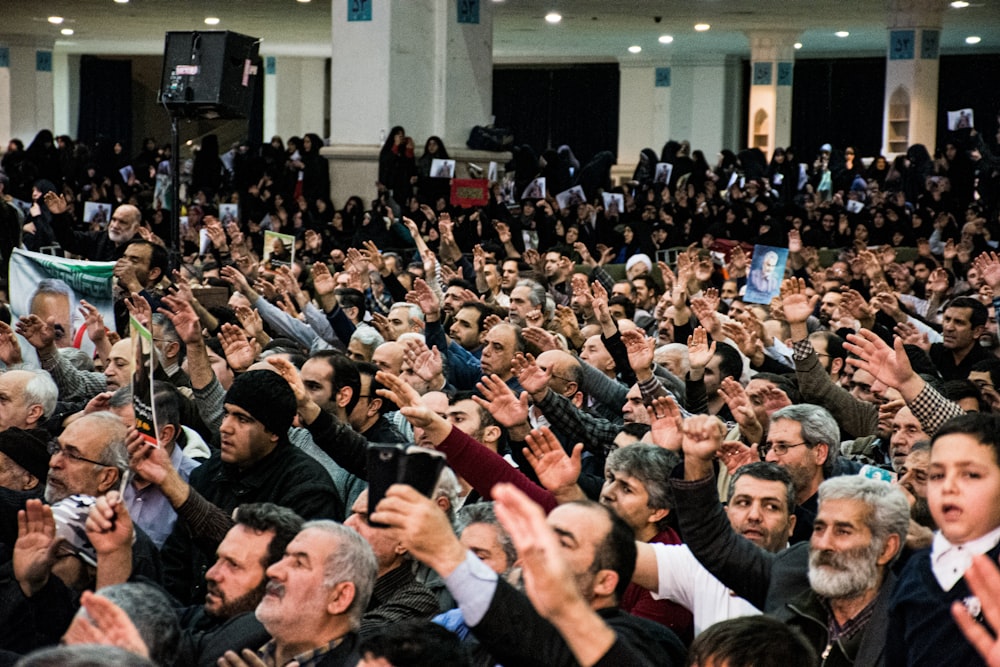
column 959, row 4
column 305, row 1
column 666, row 39
column 798, row 45
column 553, row 17
column 702, row 27
column 635, row 48
column 973, row 39
column 842, row 33
column 122, row 2
column 66, row 31
column 211, row 20
column 56, row 20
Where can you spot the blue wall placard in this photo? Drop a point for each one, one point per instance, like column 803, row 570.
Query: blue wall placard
column 359, row 10
column 662, row 77
column 468, row 11
column 785, row 74
column 270, row 65
column 762, row 73
column 930, row 44
column 901, row 43
column 4, row 56
column 43, row 61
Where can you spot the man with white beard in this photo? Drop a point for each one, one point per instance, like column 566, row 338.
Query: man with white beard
column 836, row 589
column 105, row 245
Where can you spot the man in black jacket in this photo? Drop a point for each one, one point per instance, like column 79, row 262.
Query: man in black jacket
column 106, row 245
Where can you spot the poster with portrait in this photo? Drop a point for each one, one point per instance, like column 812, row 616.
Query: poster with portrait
column 229, row 213
column 962, row 119
column 572, row 197
column 767, row 268
column 535, row 189
column 614, row 204
column 442, row 168
column 96, row 213
column 142, row 382
column 127, row 173
column 279, row 249
column 663, row 172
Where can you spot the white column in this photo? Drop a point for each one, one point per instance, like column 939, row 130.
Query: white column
column 26, row 89
column 679, row 98
column 413, row 64
column 772, row 55
column 911, row 74
column 294, row 92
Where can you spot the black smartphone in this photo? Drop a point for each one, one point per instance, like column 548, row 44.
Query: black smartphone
column 390, row 464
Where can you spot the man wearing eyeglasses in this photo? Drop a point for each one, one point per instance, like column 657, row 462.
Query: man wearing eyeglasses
column 88, row 458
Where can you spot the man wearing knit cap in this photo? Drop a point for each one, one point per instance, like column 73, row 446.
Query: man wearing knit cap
column 255, row 463
column 24, row 460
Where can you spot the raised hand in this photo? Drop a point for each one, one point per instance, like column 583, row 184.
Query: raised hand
column 937, row 283
column 148, row 461
column 640, row 350
column 140, row 309
column 182, row 316
column 535, row 318
column 490, row 322
column 703, row 436
column 739, row 404
column 666, row 424
column 532, row 377
column 10, row 351
column 705, row 313
column 735, row 455
column 699, row 351
column 104, row 623
column 911, row 335
column 796, row 305
column 794, row 241
column 888, row 365
column 323, row 282
column 423, row 362
column 566, row 319
column 39, row 333
column 984, row 580
column 109, row 525
column 251, row 321
column 240, row 354
column 423, row 296
column 94, row 321
column 236, row 278
column 540, row 338
column 499, row 400
column 855, row 305
column 36, row 546
column 56, row 204
column 599, row 302
column 988, row 266
column 554, row 469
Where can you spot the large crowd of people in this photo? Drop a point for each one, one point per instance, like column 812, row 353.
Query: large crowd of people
column 646, row 461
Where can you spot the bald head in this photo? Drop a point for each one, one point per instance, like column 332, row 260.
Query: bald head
column 124, row 223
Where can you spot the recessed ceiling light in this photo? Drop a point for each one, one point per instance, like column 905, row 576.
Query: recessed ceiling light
column 66, row 31
column 635, row 48
column 553, row 17
column 305, row 1
column 122, row 2
column 666, row 39
column 842, row 33
column 211, row 20
column 798, row 45
column 973, row 39
column 959, row 4
column 56, row 20
column 702, row 27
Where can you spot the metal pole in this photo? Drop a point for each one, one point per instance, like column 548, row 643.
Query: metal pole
column 175, row 185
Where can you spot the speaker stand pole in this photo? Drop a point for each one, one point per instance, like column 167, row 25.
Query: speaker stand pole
column 175, row 186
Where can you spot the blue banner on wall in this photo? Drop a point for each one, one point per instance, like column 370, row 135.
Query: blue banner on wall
column 468, row 11
column 359, row 10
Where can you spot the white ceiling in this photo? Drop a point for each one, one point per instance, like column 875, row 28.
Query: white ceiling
column 591, row 30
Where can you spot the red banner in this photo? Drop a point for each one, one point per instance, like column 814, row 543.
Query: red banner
column 467, row 192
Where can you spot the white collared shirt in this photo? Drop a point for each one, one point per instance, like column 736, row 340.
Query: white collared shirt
column 950, row 561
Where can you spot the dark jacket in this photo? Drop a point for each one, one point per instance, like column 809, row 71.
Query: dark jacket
column 204, row 638
column 96, row 246
column 515, row 634
column 287, row 476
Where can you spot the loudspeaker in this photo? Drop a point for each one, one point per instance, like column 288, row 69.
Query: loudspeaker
column 211, row 74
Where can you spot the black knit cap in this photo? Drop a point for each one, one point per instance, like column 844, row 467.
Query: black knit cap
column 268, row 399
column 28, row 449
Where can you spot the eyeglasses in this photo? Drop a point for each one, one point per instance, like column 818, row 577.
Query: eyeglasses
column 55, row 447
column 780, row 448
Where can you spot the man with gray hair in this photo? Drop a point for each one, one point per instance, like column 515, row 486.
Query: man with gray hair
column 528, row 296
column 89, row 457
column 837, row 588
column 404, row 318
column 27, row 399
column 315, row 597
column 804, row 439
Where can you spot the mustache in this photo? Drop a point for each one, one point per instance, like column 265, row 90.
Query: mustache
column 274, row 588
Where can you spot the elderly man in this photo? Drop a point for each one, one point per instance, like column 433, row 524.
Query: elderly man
column 27, row 399
column 315, row 597
column 107, row 245
column 836, row 589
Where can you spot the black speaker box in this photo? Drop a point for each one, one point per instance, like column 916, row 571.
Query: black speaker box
column 211, row 74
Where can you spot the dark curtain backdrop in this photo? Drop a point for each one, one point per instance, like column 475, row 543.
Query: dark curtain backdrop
column 105, row 101
column 838, row 101
column 964, row 83
column 548, row 107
